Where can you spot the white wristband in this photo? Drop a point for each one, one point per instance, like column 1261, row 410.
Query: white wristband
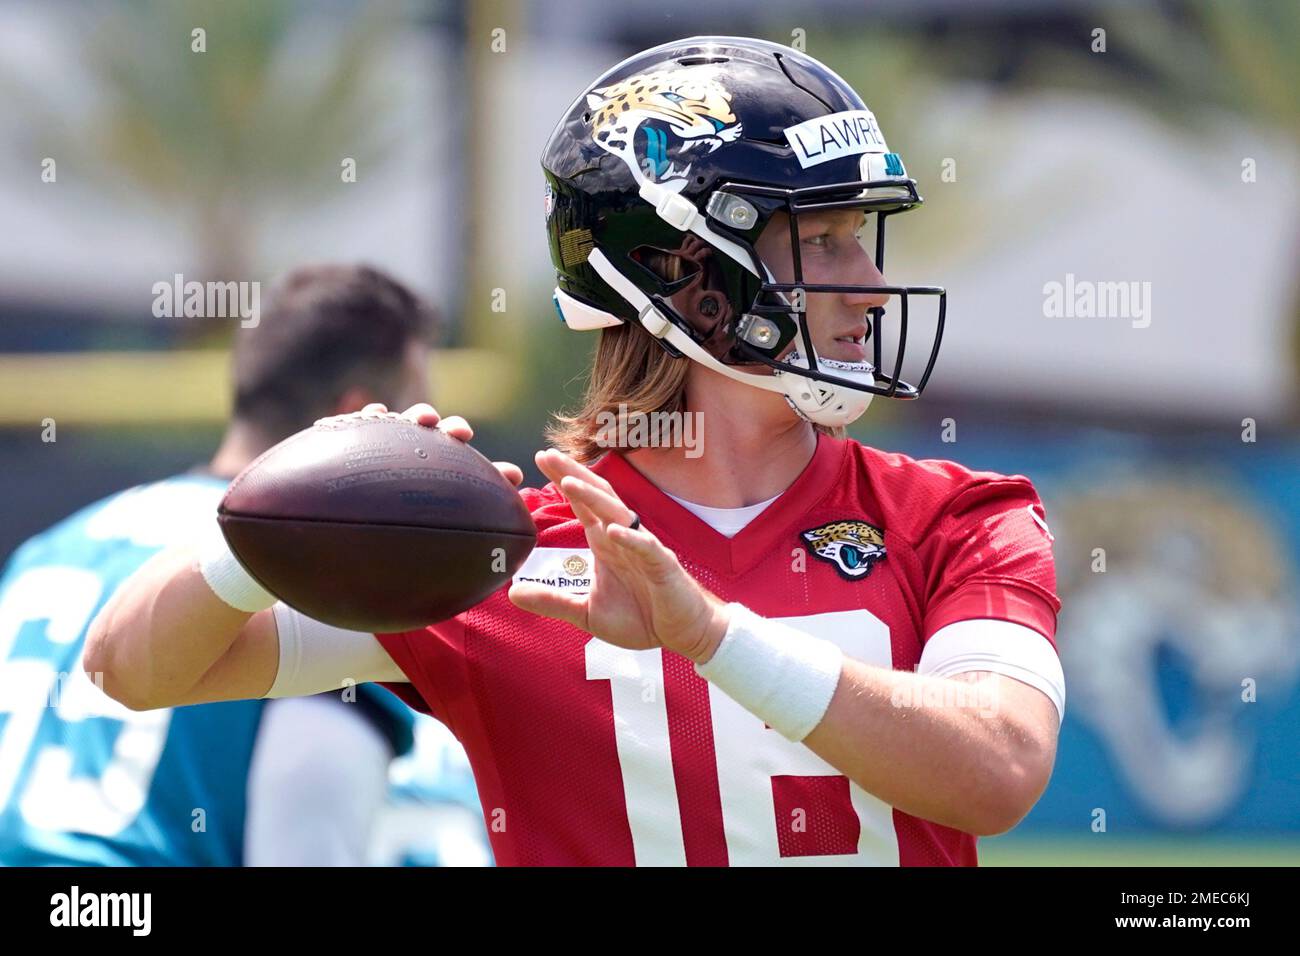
column 227, row 577
column 776, row 672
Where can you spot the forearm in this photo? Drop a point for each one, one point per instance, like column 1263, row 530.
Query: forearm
column 938, row 748
column 161, row 633
column 973, row 756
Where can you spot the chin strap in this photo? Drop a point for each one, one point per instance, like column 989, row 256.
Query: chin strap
column 658, row 325
column 819, row 402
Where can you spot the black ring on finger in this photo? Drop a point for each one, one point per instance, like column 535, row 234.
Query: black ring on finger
column 636, row 522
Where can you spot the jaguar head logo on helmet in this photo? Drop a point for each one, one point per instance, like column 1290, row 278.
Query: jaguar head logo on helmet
column 686, row 153
column 653, row 121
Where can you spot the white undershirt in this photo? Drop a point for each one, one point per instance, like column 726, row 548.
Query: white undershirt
column 728, row 522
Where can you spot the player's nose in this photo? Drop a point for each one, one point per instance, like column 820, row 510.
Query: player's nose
column 866, row 274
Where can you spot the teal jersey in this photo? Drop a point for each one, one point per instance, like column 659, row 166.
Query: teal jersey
column 83, row 780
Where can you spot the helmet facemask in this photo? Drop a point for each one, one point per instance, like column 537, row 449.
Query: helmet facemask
column 779, row 314
column 735, row 317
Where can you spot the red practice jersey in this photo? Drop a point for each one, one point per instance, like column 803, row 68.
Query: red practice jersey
column 588, row 754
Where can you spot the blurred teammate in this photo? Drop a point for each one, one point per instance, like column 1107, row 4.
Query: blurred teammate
column 84, row 780
column 781, row 646
column 432, row 817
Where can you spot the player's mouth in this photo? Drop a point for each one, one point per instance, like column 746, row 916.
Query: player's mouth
column 851, row 347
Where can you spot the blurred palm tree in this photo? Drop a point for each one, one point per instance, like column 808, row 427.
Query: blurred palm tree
column 1186, row 62
column 254, row 126
column 1238, row 56
column 1204, row 56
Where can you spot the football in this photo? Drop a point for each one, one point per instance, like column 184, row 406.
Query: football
column 376, row 524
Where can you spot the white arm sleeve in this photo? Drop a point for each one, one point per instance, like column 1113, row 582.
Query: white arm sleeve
column 316, row 657
column 318, row 779
column 1002, row 647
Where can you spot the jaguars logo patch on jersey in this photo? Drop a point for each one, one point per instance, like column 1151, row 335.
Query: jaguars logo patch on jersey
column 854, row 547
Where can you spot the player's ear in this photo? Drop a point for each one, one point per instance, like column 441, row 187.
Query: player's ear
column 692, row 281
column 355, row 398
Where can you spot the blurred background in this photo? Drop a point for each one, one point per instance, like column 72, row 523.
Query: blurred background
column 1061, row 146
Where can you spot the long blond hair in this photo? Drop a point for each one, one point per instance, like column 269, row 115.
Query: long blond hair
column 632, row 374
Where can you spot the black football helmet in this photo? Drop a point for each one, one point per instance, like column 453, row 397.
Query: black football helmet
column 690, row 148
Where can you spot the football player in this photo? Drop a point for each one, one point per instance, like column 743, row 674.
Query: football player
column 789, row 648
column 84, row 780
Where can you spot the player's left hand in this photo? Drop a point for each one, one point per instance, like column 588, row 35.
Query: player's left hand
column 641, row 596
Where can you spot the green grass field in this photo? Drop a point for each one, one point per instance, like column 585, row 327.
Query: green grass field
column 1111, row 850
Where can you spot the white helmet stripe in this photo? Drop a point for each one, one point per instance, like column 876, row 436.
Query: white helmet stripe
column 582, row 317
